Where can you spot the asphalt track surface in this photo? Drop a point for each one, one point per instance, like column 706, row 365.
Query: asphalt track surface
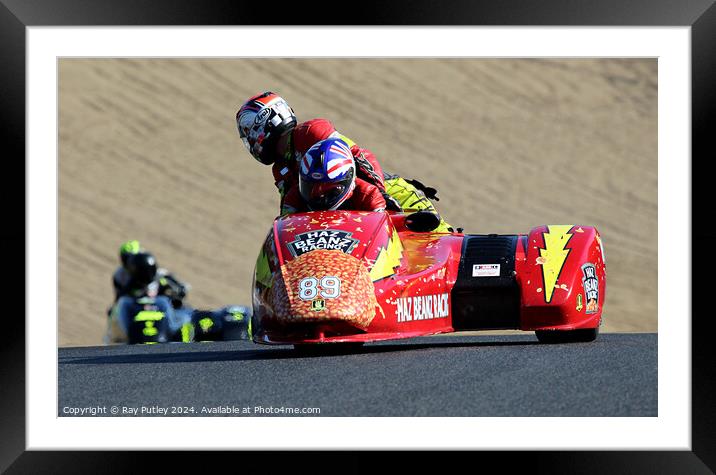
column 470, row 376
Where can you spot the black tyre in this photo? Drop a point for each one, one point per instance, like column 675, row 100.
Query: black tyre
column 236, row 323
column 567, row 336
column 207, row 326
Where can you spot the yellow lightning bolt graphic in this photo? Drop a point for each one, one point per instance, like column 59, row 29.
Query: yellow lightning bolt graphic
column 388, row 258
column 553, row 255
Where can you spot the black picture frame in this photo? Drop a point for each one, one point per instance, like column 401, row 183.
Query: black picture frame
column 700, row 15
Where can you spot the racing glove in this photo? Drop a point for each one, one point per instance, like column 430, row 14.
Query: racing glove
column 390, row 202
column 430, row 193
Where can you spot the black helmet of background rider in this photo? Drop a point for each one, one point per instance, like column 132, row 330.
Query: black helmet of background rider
column 261, row 121
column 142, row 268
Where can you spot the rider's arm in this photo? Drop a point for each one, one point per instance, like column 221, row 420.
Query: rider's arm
column 368, row 167
column 367, row 197
column 120, row 281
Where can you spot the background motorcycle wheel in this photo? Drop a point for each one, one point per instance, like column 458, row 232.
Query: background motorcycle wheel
column 236, row 320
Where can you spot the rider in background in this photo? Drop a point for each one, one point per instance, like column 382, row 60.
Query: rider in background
column 327, row 181
column 120, row 278
column 272, row 135
column 139, row 277
column 169, row 285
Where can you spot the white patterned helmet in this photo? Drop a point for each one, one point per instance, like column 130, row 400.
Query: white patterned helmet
column 261, row 121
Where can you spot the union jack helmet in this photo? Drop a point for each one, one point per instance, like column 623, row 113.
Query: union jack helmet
column 327, row 175
column 261, row 122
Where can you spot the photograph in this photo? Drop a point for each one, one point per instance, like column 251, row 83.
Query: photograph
column 412, row 229
column 357, row 236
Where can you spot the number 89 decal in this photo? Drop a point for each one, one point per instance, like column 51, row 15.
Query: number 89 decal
column 330, row 288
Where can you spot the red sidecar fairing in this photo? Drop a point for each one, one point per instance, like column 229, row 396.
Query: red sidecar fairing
column 395, row 283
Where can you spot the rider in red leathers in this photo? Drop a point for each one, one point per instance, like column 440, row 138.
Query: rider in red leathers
column 271, row 133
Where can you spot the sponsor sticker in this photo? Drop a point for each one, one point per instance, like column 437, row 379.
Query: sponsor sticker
column 329, row 287
column 580, row 305
column 328, row 239
column 591, row 287
column 422, row 307
column 262, row 115
column 318, row 305
column 486, row 270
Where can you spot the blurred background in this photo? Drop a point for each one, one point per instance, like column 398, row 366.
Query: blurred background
column 149, row 151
